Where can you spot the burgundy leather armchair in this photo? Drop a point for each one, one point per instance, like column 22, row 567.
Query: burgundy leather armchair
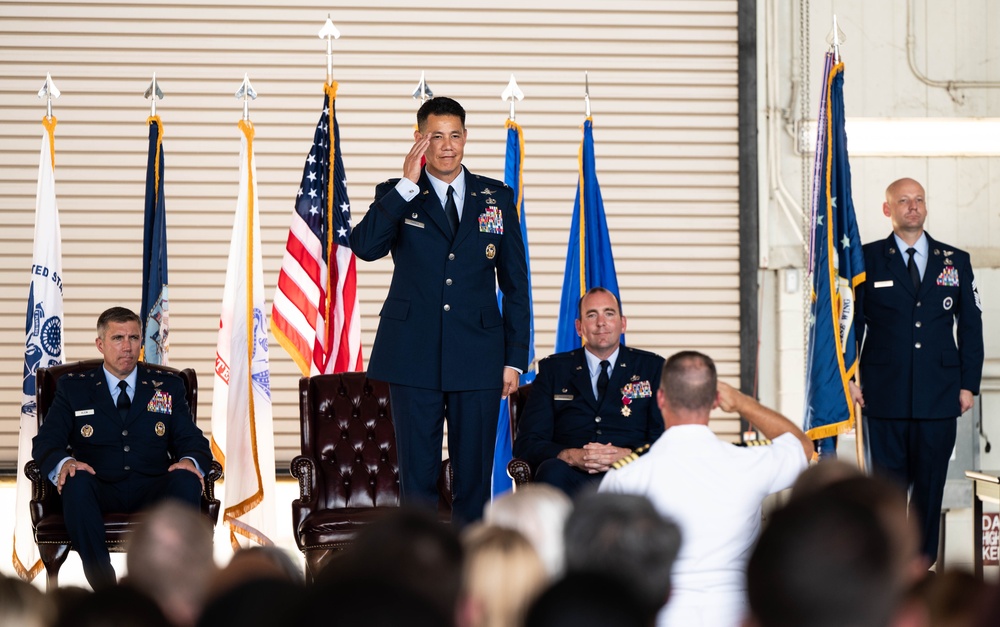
column 47, row 523
column 348, row 472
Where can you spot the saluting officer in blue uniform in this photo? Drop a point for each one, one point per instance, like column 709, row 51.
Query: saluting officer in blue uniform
column 443, row 343
column 918, row 296
column 118, row 438
column 577, row 423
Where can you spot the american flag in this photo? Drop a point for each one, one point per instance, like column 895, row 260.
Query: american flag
column 315, row 314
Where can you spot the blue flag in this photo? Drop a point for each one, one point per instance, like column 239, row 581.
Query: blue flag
column 837, row 266
column 589, row 262
column 513, row 171
column 155, row 321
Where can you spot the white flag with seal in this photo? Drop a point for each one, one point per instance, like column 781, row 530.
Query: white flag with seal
column 242, row 424
column 43, row 342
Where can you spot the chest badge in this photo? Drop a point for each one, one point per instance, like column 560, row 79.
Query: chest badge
column 86, row 431
column 948, row 302
column 491, row 251
column 160, row 429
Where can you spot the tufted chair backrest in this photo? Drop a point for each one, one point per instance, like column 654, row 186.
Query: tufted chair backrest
column 347, row 429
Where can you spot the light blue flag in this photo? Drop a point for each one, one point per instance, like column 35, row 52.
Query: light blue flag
column 838, row 267
column 513, row 178
column 589, row 262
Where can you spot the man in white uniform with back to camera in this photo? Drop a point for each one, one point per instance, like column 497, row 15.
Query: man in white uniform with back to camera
column 712, row 489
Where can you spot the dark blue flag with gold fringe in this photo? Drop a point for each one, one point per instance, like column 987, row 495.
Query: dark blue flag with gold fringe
column 154, row 312
column 837, row 268
column 589, row 262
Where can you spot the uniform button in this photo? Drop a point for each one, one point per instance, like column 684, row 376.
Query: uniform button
column 127, row 449
column 919, row 324
column 598, row 432
column 918, row 303
column 447, row 282
column 451, row 256
column 447, row 307
column 597, row 419
column 128, row 468
column 917, row 345
column 125, row 432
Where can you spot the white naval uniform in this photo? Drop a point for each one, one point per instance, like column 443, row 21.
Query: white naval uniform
column 713, row 491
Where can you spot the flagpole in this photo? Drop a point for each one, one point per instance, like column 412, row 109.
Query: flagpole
column 502, row 481
column 586, row 91
column 152, row 93
column 329, row 32
column 154, row 308
column 242, row 420
column 44, row 346
column 512, row 93
column 49, row 91
column 423, row 91
column 246, row 93
column 836, row 39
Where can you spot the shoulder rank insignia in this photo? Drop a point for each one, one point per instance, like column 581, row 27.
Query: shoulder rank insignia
column 631, row 457
column 749, row 443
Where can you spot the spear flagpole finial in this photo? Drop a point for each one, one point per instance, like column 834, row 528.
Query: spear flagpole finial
column 835, row 39
column 246, row 93
column 512, row 93
column 423, row 91
column 152, row 93
column 329, row 32
column 49, row 91
column 586, row 90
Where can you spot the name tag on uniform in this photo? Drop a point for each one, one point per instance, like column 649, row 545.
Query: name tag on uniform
column 563, row 397
column 879, row 284
column 419, row 225
column 84, row 412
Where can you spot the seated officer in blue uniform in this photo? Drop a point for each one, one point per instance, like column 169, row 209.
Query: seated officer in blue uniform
column 118, row 438
column 591, row 406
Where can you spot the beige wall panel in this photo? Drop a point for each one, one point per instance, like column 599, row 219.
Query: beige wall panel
column 663, row 91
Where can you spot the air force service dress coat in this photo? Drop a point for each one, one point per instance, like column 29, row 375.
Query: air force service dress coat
column 84, row 417
column 911, row 365
column 440, row 327
column 562, row 411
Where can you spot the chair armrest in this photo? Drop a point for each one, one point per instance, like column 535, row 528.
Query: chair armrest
column 44, row 498
column 214, row 474
column 40, row 485
column 519, row 471
column 34, row 473
column 304, row 469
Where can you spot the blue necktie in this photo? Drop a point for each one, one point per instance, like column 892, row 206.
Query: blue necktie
column 124, row 402
column 602, row 381
column 911, row 267
column 451, row 211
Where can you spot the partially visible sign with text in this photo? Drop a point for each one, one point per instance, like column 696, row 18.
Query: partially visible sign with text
column 991, row 539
